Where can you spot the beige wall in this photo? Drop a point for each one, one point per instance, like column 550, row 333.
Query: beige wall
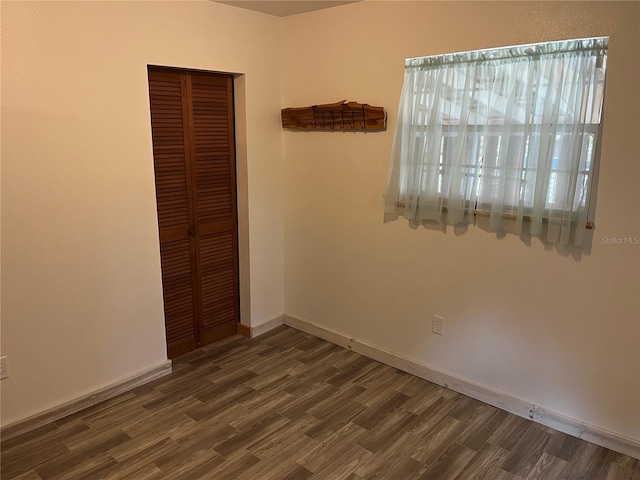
column 548, row 329
column 82, row 295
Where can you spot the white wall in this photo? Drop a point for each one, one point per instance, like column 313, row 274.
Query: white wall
column 81, row 284
column 557, row 332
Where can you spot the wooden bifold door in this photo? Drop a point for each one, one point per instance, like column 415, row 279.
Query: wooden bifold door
column 192, row 124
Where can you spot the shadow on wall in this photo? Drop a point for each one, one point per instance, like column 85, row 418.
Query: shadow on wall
column 482, row 222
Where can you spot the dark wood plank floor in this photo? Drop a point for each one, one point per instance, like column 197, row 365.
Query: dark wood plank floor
column 288, row 406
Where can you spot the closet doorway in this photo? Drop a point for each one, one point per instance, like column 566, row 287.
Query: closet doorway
column 192, row 121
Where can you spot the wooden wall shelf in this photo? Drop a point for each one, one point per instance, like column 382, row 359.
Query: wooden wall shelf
column 339, row 116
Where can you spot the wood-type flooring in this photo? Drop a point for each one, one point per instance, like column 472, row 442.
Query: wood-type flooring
column 289, row 406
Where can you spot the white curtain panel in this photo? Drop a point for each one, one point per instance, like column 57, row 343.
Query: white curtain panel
column 510, row 132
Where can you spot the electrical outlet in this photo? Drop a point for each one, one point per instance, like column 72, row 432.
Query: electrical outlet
column 438, row 325
column 4, row 367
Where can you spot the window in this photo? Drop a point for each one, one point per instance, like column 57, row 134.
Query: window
column 510, row 132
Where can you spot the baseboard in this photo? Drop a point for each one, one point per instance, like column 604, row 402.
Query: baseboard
column 267, row 325
column 261, row 328
column 496, row 398
column 80, row 403
column 244, row 330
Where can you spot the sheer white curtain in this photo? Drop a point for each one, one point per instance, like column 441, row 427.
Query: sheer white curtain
column 511, row 132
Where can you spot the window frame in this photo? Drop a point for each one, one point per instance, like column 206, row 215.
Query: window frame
column 472, row 199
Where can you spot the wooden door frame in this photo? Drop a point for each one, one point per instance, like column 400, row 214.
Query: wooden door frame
column 242, row 202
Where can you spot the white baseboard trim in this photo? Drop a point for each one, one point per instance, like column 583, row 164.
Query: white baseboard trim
column 496, row 398
column 264, row 327
column 84, row 401
column 267, row 325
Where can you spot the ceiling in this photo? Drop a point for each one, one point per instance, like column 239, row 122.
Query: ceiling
column 284, row 8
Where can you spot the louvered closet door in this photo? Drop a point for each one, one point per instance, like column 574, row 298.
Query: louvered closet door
column 170, row 127
column 214, row 194
column 192, row 125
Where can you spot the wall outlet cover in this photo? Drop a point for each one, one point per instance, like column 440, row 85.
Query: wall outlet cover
column 438, row 325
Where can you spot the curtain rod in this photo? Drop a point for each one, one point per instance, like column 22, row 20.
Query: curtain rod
column 411, row 62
